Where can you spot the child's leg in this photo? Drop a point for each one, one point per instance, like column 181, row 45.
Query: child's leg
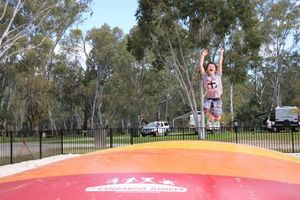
column 217, row 118
column 210, row 116
column 207, row 110
column 218, row 110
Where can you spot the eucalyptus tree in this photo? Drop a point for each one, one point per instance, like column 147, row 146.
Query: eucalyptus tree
column 154, row 92
column 25, row 27
column 280, row 28
column 282, row 21
column 65, row 14
column 68, row 73
column 99, row 69
column 124, row 96
column 20, row 20
column 290, row 82
column 67, row 91
column 116, row 101
column 175, row 30
column 32, row 88
column 241, row 57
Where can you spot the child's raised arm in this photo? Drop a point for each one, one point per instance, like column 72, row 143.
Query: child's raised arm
column 220, row 68
column 202, row 56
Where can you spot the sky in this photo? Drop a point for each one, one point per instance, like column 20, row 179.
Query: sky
column 115, row 13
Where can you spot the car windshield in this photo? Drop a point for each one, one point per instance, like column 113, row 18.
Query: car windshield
column 152, row 124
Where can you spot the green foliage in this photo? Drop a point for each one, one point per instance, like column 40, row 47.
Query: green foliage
column 27, row 45
column 127, row 79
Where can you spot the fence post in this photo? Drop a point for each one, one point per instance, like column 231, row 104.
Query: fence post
column 62, row 142
column 293, row 144
column 11, row 147
column 131, row 136
column 40, row 139
column 236, row 136
column 111, row 138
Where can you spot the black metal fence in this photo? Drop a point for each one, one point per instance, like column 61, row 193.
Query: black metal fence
column 17, row 146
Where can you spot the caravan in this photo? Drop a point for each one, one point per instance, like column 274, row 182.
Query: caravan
column 192, row 122
column 285, row 117
column 210, row 126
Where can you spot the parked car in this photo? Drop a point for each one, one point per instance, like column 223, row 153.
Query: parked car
column 155, row 128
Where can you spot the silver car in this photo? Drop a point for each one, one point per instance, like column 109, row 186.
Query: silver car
column 155, row 128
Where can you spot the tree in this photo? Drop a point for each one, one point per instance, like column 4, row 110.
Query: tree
column 32, row 85
column 281, row 24
column 276, row 72
column 68, row 73
column 22, row 19
column 25, row 27
column 175, row 30
column 99, row 70
column 67, row 90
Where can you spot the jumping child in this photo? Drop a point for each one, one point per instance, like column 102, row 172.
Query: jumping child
column 213, row 84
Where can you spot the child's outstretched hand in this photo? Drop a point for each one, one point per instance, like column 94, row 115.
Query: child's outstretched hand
column 222, row 50
column 205, row 52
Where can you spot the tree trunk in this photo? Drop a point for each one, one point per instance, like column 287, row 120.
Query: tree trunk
column 94, row 106
column 278, row 73
column 85, row 117
column 53, row 126
column 231, row 102
column 78, row 120
column 202, row 131
column 71, row 124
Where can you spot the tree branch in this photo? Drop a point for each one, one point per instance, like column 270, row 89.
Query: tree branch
column 25, row 48
column 4, row 11
column 16, row 10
